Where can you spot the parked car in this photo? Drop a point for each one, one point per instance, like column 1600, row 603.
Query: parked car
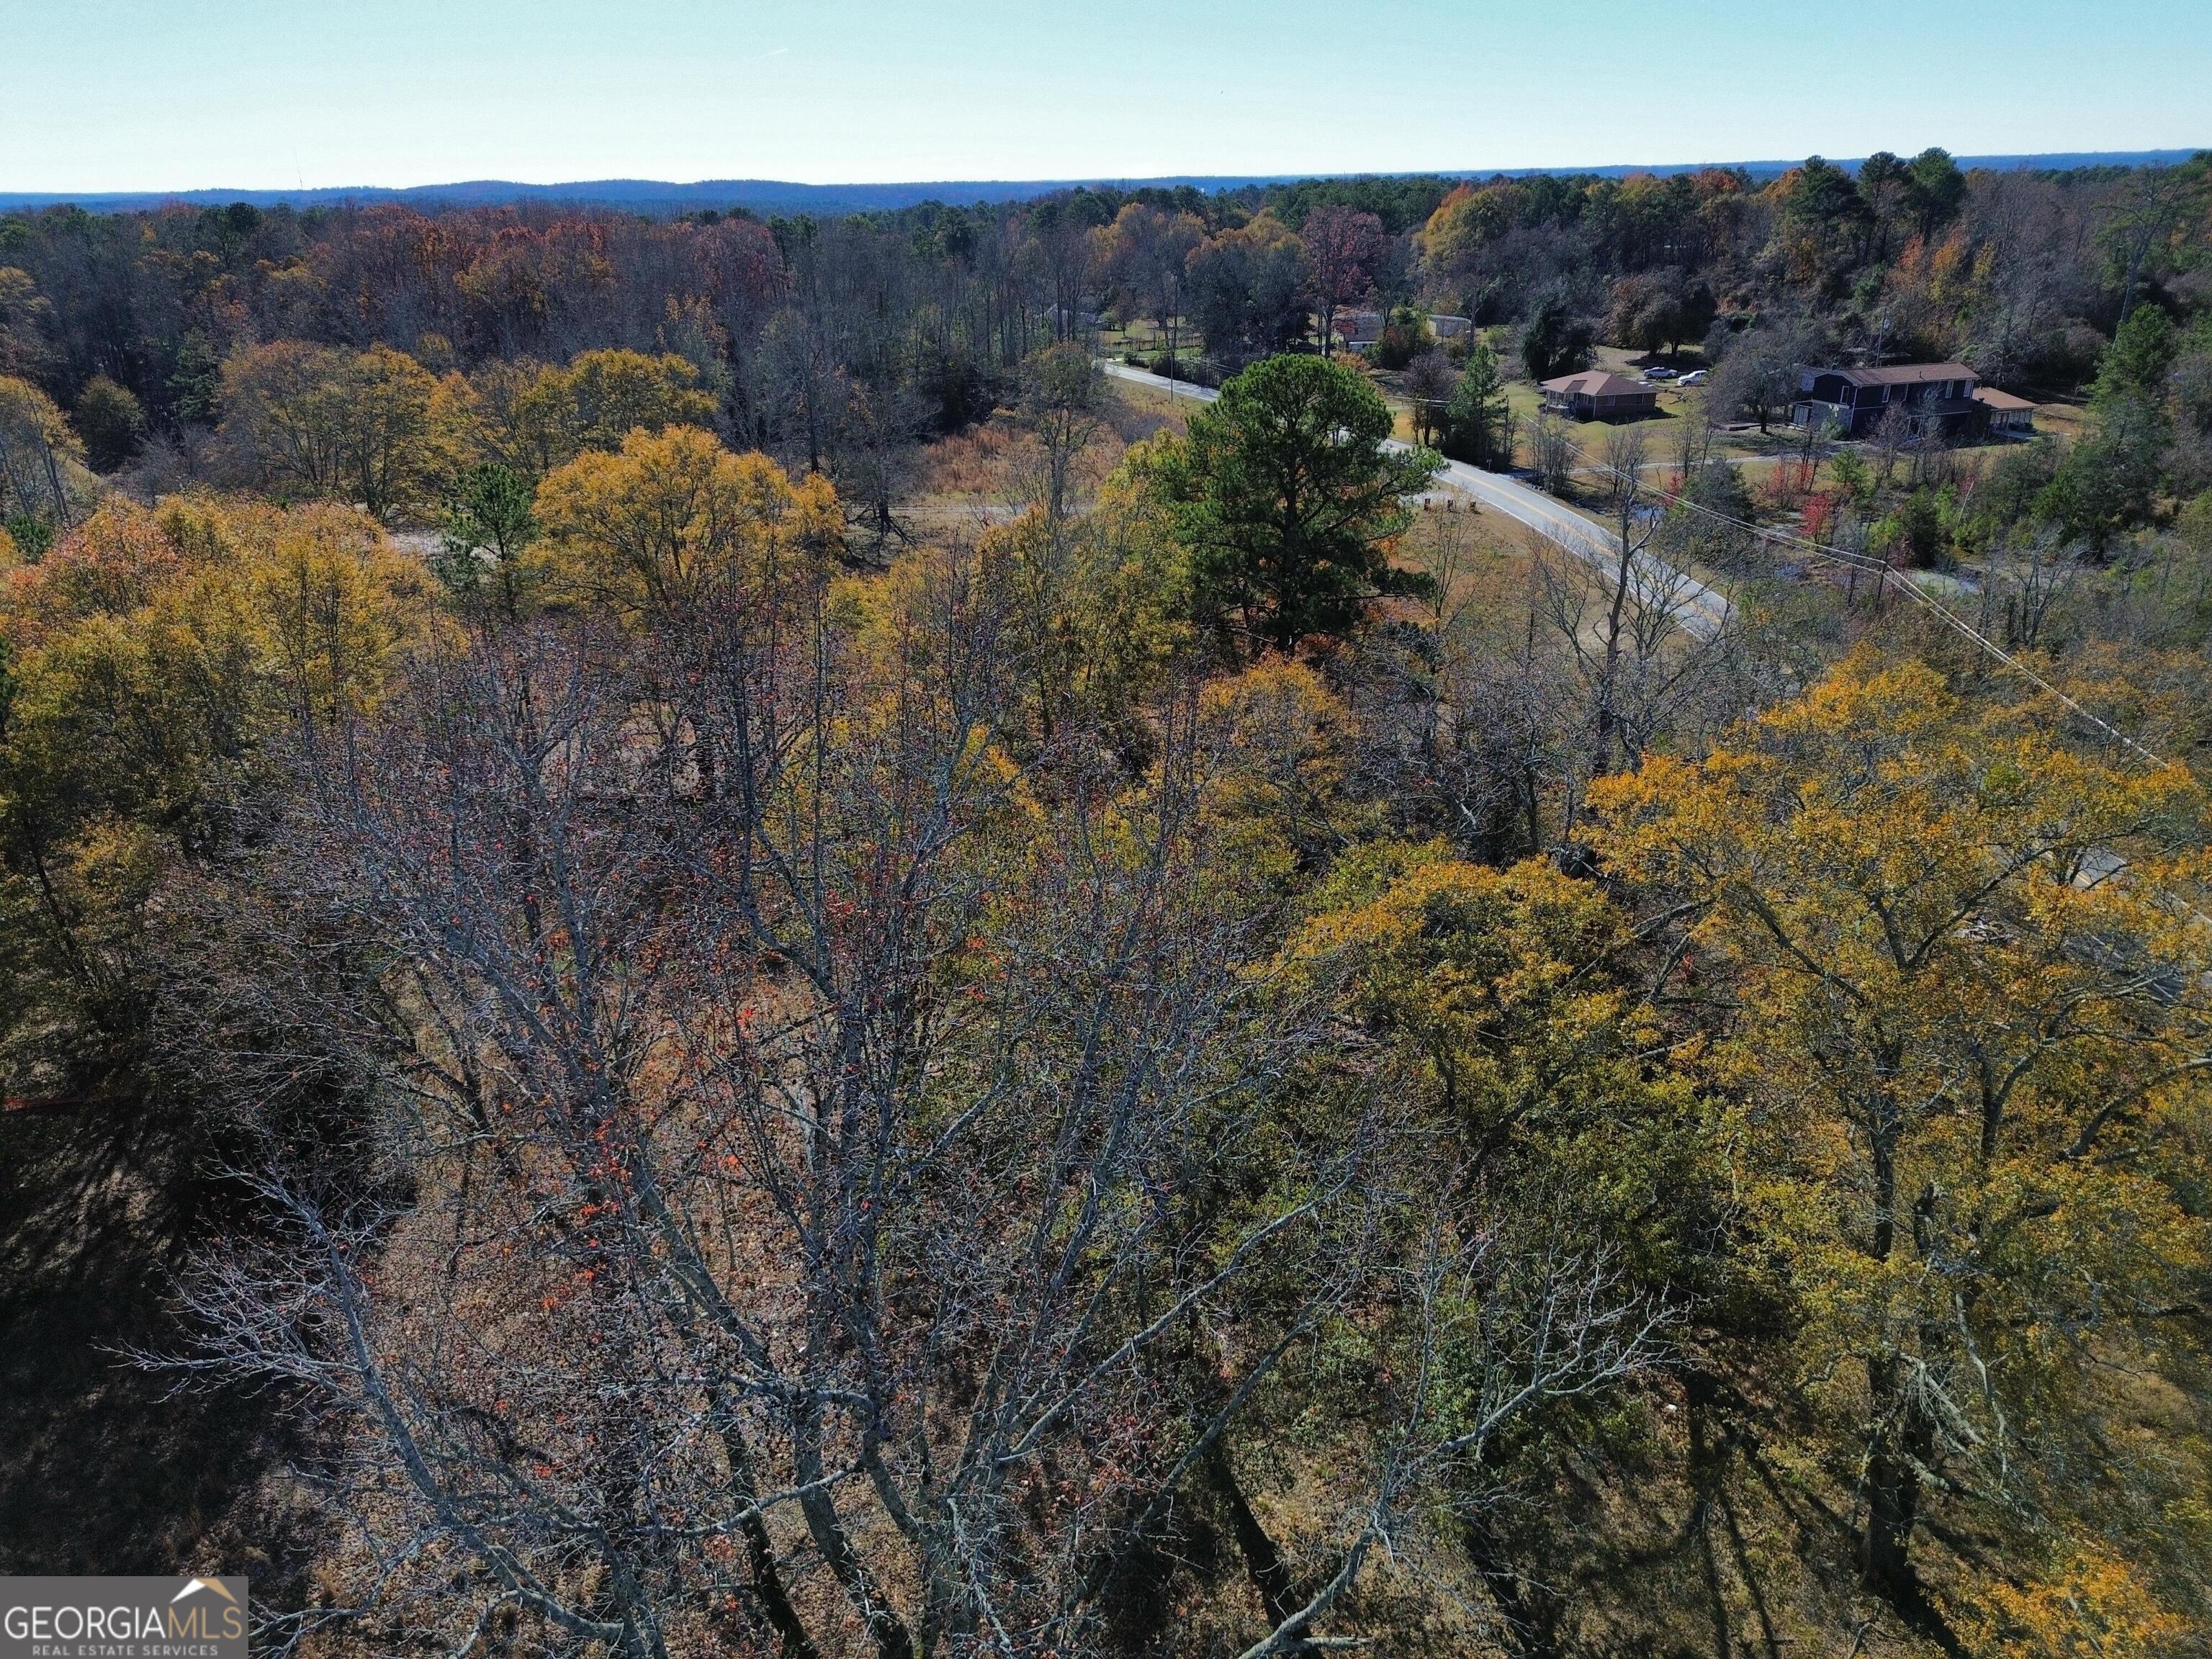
column 1696, row 377
column 1658, row 374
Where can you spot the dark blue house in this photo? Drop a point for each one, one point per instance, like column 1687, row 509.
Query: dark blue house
column 1938, row 399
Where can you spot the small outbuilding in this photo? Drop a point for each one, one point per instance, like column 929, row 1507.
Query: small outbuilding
column 2009, row 417
column 1359, row 330
column 1597, row 394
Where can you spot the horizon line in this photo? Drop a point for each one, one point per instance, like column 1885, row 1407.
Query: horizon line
column 664, row 188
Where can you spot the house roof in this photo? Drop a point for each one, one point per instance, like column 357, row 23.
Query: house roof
column 1598, row 383
column 1997, row 399
column 1901, row 374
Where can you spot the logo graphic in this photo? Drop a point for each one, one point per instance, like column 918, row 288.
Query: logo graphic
column 123, row 1619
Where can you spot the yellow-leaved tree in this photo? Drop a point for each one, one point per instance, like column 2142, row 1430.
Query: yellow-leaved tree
column 673, row 517
column 1538, row 1134
column 1088, row 613
column 1501, row 997
column 534, row 417
column 1962, row 983
column 372, row 428
column 44, row 484
column 149, row 658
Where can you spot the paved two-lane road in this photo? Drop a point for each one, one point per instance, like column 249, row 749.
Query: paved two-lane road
column 1699, row 610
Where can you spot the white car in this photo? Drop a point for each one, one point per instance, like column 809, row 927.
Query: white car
column 1696, row 377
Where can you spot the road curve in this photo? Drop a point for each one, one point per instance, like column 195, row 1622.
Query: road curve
column 1698, row 609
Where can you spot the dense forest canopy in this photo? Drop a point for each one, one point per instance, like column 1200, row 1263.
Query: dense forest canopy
column 841, row 345
column 1905, row 255
column 763, row 965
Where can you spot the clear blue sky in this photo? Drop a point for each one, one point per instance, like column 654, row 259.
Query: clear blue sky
column 165, row 95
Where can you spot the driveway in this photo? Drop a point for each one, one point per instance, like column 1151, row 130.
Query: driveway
column 1698, row 611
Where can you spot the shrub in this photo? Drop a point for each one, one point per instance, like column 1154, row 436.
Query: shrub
column 1405, row 335
column 109, row 419
column 1192, row 371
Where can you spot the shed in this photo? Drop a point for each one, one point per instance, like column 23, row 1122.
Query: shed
column 2008, row 414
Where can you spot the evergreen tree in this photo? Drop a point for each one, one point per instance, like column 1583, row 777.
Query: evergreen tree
column 1287, row 502
column 2137, row 362
column 1475, row 419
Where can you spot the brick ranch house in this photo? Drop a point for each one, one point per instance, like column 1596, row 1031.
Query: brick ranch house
column 1939, row 400
column 1597, row 395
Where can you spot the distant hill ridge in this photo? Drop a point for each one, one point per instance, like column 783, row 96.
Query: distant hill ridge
column 776, row 196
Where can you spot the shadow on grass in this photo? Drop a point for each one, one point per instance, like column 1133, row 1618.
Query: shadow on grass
column 105, row 1468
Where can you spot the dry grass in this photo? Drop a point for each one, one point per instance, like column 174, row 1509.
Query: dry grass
column 974, row 463
column 991, row 473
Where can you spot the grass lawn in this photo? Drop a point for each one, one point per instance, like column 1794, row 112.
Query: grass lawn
column 1173, row 408
column 1148, row 338
column 1481, row 562
column 2068, row 420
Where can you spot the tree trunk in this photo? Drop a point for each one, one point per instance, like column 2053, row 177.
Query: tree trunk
column 1893, row 1486
column 1892, row 1489
column 888, row 1633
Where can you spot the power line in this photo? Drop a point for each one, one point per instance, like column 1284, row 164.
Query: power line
column 1883, row 572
